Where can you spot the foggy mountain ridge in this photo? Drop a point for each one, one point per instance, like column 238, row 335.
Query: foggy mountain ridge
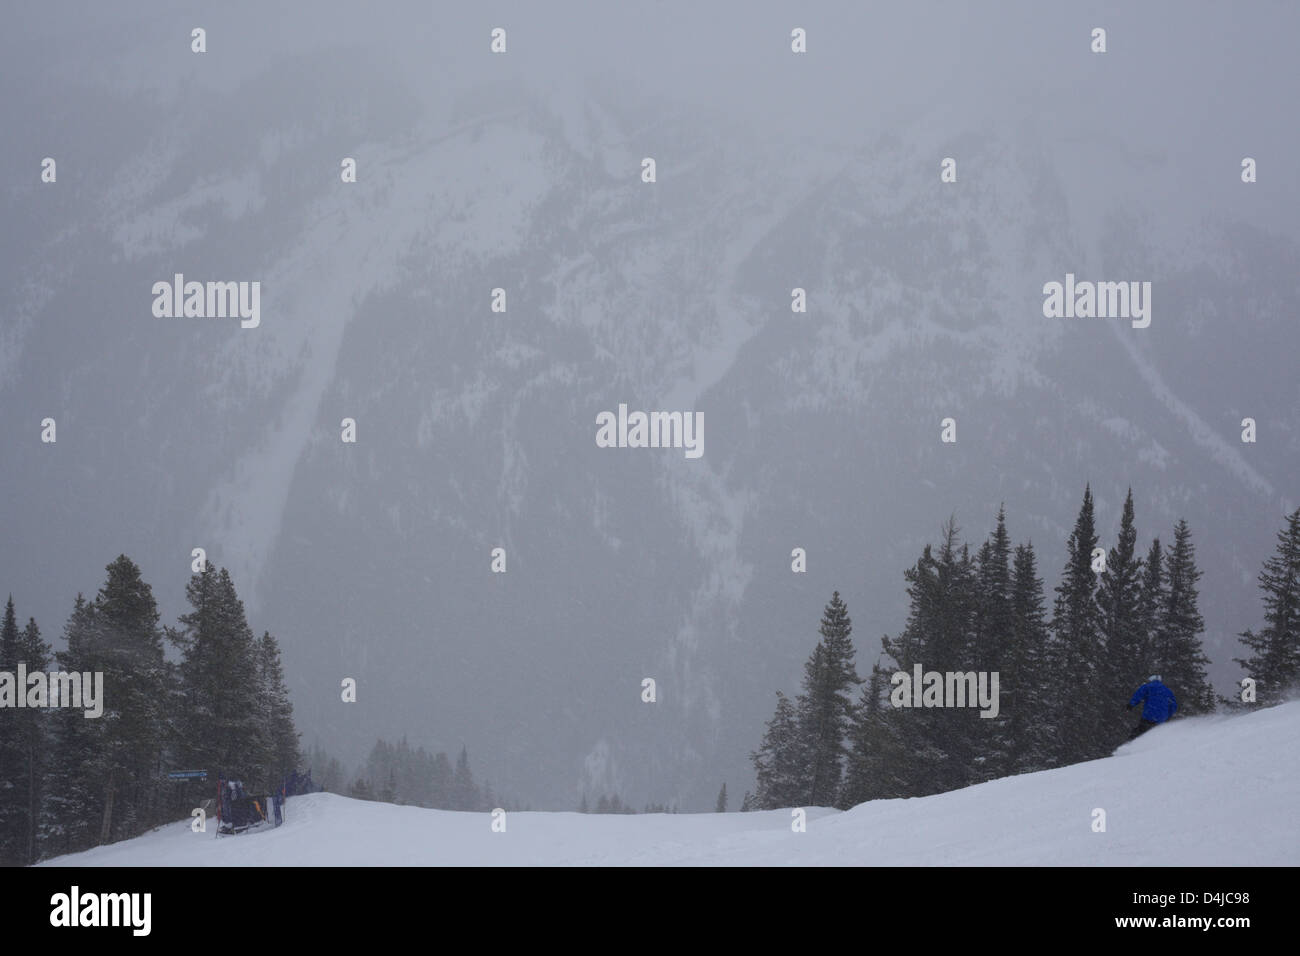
column 476, row 430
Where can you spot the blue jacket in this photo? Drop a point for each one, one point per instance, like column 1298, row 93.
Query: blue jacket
column 1160, row 702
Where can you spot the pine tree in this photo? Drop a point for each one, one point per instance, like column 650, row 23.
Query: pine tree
column 993, row 595
column 955, row 649
column 441, row 784
column 937, row 743
column 331, row 780
column 176, row 800
column 1274, row 660
column 13, row 797
column 32, row 739
column 875, row 747
column 779, row 763
column 951, row 644
column 129, row 651
column 1154, row 602
column 68, row 811
column 721, row 805
column 1076, row 647
column 993, row 630
column 748, row 803
column 221, row 725
column 1026, row 691
column 325, row 771
column 277, row 712
column 1120, row 621
column 465, row 793
column 921, row 741
column 379, row 764
column 410, row 768
column 1180, row 659
column 825, row 708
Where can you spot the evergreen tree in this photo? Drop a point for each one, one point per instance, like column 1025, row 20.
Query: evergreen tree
column 1120, row 621
column 825, row 708
column 379, row 764
column 32, row 738
column 1154, row 602
column 68, row 811
column 993, row 630
column 411, row 769
column 13, row 797
column 936, row 743
column 176, row 799
column 441, row 788
column 1026, row 691
column 465, row 793
column 951, row 643
column 955, row 649
column 326, row 771
column 1180, row 659
column 875, row 746
column 332, row 779
column 1077, row 649
column 748, row 803
column 920, row 738
column 222, row 729
column 779, row 762
column 277, row 712
column 129, row 652
column 993, row 596
column 721, row 805
column 389, row 793
column 1274, row 660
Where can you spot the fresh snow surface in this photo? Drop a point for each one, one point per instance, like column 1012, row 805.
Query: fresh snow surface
column 1202, row 791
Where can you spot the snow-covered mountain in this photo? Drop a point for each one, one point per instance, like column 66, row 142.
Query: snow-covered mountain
column 1210, row 791
column 476, row 429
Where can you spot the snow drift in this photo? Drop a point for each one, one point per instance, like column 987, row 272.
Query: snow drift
column 1206, row 791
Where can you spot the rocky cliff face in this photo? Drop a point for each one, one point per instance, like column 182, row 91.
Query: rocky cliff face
column 476, row 429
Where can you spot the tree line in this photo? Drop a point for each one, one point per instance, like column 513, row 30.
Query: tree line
column 1065, row 675
column 613, row 803
column 69, row 783
column 398, row 773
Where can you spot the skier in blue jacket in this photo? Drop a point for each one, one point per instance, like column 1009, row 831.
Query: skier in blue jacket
column 1158, row 705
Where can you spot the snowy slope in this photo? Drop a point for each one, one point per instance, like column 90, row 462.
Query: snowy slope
column 1203, row 791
